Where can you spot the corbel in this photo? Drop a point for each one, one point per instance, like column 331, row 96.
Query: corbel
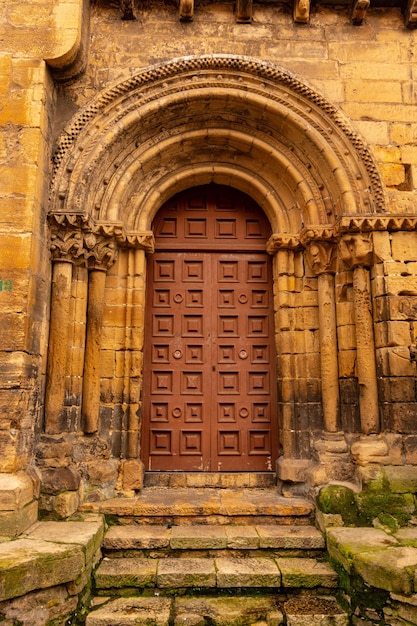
column 301, row 11
column 186, row 10
column 244, row 11
column 359, row 9
column 410, row 15
column 128, row 9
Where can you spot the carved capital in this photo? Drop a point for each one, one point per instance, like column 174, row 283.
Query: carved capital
column 67, row 245
column 99, row 252
column 145, row 240
column 282, row 242
column 356, row 250
column 321, row 256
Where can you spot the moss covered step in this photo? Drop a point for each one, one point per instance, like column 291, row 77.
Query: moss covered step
column 221, row 573
column 213, row 537
column 219, row 611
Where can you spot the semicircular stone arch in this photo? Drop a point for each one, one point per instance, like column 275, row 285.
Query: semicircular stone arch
column 227, row 119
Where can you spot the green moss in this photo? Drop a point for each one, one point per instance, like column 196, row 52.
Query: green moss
column 387, row 507
column 338, row 499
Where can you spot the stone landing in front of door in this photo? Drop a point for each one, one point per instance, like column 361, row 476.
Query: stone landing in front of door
column 220, row 480
column 174, row 506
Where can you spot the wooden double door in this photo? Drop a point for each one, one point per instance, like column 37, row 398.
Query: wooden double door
column 209, row 400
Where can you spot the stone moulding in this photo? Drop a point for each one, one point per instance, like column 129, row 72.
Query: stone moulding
column 103, row 154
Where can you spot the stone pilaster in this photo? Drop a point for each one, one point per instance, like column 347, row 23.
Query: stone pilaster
column 322, row 259
column 357, row 252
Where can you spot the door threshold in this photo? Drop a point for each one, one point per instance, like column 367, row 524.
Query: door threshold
column 221, row 480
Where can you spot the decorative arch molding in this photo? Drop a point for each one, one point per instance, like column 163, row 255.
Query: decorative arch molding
column 227, row 119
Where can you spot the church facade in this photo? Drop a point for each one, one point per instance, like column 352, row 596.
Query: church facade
column 208, row 246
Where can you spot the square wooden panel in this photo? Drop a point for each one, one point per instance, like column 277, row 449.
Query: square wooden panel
column 228, row 271
column 228, row 383
column 226, row 354
column 257, row 271
column 159, row 412
column 194, row 298
column 226, row 412
column 228, row 326
column 253, row 229
column 191, row 442
column 194, row 354
column 193, row 412
column 195, row 228
column 164, row 271
column 161, row 442
column 160, row 353
column 161, row 298
column 168, row 227
column 192, row 326
column 259, row 442
column 258, row 383
column 163, row 325
column 261, row 412
column 225, row 228
column 257, row 326
column 259, row 299
column 193, row 271
column 191, row 383
column 226, row 298
column 260, row 354
column 162, row 382
column 228, row 442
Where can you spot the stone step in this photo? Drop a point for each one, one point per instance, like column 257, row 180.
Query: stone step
column 173, row 574
column 219, row 480
column 219, row 611
column 156, row 505
column 120, row 540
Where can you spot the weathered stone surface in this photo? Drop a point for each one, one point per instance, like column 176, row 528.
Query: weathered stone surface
column 137, row 537
column 88, row 534
column 344, row 544
column 132, row 612
column 250, row 572
column 245, row 537
column 13, row 523
column 306, row 573
column 226, row 611
column 127, row 572
column 176, row 573
column 314, row 612
column 38, row 608
column 401, row 479
column 66, row 503
column 60, row 479
column 16, row 490
column 28, row 564
column 392, row 569
column 290, row 537
column 198, row 537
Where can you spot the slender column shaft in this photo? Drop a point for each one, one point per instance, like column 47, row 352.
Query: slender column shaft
column 328, row 352
column 365, row 342
column 57, row 348
column 92, row 361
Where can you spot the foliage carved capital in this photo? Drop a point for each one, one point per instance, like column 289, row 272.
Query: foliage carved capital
column 322, row 256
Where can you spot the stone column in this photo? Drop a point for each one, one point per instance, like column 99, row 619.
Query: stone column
column 58, row 341
column 100, row 253
column 356, row 251
column 322, row 259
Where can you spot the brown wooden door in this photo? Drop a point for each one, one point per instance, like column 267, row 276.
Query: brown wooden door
column 209, row 399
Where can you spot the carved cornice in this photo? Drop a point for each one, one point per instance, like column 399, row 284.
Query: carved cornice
column 356, row 250
column 368, row 223
column 78, row 239
column 322, row 257
column 283, row 242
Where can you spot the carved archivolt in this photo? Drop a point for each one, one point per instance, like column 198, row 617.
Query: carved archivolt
column 228, row 119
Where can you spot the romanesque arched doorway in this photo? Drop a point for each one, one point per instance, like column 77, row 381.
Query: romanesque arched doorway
column 209, row 396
